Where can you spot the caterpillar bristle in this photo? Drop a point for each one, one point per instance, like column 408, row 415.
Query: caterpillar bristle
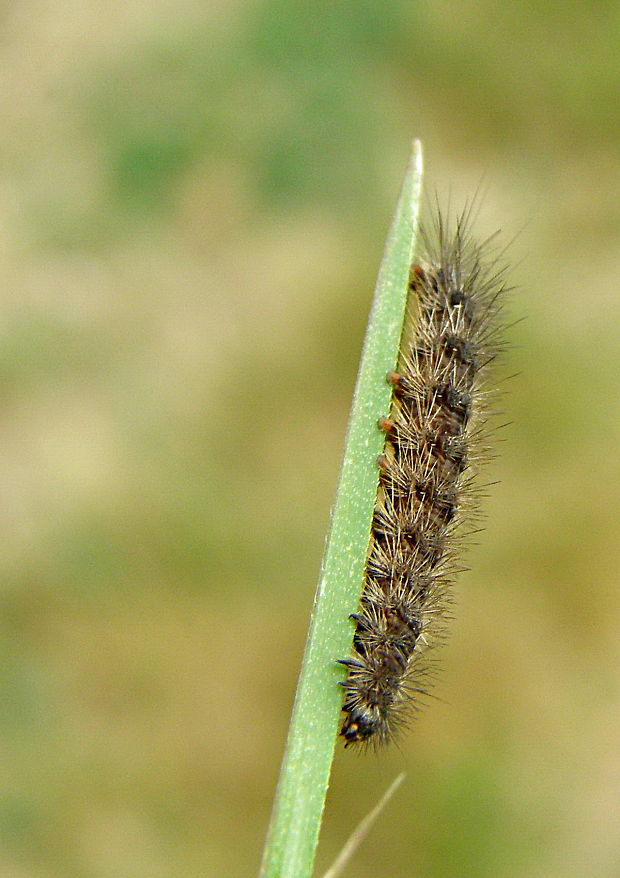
column 437, row 437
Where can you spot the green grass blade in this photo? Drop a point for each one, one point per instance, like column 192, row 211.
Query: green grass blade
column 304, row 777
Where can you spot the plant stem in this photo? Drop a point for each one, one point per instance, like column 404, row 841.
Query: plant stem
column 304, row 776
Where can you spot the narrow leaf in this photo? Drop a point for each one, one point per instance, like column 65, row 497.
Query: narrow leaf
column 304, row 777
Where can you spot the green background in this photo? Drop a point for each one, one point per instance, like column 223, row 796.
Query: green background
column 194, row 198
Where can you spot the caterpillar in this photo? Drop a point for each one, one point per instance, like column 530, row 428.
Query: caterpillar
column 436, row 437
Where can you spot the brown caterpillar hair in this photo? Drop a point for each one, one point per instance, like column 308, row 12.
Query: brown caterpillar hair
column 436, row 436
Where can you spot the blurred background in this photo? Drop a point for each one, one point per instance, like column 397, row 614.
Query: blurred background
column 194, row 198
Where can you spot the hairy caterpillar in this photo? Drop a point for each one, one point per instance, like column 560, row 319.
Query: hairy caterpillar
column 436, row 435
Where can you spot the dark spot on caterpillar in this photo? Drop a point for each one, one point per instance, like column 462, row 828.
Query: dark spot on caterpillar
column 359, row 725
column 429, row 544
column 441, row 502
column 458, row 299
column 463, row 350
column 445, row 504
column 455, row 450
column 457, row 402
column 423, row 489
